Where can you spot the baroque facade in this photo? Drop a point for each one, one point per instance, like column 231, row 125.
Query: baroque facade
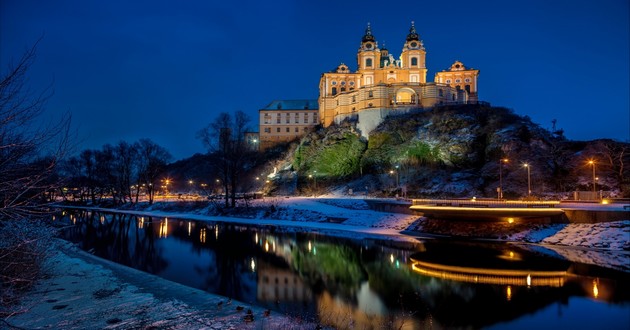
column 383, row 83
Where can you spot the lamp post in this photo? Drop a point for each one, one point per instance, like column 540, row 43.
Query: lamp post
column 592, row 163
column 529, row 181
column 501, row 161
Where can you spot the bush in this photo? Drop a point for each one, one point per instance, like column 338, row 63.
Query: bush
column 24, row 245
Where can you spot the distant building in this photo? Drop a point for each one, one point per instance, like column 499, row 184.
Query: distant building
column 286, row 120
column 382, row 84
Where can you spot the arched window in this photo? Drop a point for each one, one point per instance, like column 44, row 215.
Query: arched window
column 368, row 62
column 334, row 91
column 414, row 61
column 467, row 88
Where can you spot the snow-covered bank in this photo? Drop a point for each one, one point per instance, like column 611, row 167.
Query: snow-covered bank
column 85, row 292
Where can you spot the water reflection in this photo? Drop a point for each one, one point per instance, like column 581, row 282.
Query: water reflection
column 347, row 283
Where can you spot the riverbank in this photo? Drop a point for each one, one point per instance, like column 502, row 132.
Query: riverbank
column 82, row 291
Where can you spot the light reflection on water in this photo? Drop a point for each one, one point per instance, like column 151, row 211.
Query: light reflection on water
column 360, row 283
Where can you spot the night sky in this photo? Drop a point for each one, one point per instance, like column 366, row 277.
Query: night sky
column 162, row 70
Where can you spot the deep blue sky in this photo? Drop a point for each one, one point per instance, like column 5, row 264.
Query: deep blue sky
column 164, row 69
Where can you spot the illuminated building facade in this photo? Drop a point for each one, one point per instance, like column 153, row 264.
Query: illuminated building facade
column 286, row 120
column 382, row 84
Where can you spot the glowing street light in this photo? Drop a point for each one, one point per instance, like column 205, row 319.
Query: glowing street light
column 501, row 162
column 592, row 163
column 529, row 181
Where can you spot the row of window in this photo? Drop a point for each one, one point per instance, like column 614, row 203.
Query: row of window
column 369, row 63
column 287, row 129
column 343, row 83
column 457, row 81
column 297, row 119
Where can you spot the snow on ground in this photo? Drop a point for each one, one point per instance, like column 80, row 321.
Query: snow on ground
column 86, row 292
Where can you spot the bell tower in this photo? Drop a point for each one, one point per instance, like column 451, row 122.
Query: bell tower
column 368, row 57
column 413, row 57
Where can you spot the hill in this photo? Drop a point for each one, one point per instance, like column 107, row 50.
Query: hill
column 451, row 151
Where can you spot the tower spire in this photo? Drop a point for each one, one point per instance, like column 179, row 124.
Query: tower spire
column 368, row 34
column 413, row 35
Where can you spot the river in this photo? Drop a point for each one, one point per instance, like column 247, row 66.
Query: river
column 363, row 283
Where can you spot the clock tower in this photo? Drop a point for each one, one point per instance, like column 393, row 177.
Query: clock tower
column 413, row 57
column 368, row 57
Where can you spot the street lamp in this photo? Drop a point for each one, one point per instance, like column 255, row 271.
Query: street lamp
column 529, row 184
column 592, row 163
column 501, row 162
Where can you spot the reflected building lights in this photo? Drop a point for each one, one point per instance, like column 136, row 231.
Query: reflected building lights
column 141, row 222
column 164, row 228
column 252, row 264
column 595, row 288
column 509, row 293
column 189, row 228
column 391, row 258
column 202, row 235
column 216, row 232
column 266, row 246
column 529, row 280
column 310, row 246
column 256, row 238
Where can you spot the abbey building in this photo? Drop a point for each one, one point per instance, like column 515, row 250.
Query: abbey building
column 383, row 83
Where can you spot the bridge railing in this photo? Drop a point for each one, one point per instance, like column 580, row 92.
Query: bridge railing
column 484, row 203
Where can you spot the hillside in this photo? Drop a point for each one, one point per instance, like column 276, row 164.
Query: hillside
column 451, row 151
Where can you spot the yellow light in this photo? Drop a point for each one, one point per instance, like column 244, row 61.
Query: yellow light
column 391, row 258
column 509, row 293
column 595, row 289
column 510, row 220
column 202, row 235
column 266, row 246
column 529, row 280
column 605, row 201
column 511, row 254
column 310, row 247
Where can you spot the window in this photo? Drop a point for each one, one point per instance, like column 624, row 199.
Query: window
column 334, row 91
column 334, row 83
column 288, row 130
column 467, row 80
column 458, row 80
column 343, row 89
column 343, row 83
column 267, row 129
column 287, row 118
column 314, row 119
column 467, row 88
column 297, row 130
column 370, row 94
column 267, row 118
column 448, row 81
column 440, row 92
column 414, row 61
column 368, row 62
column 278, row 118
column 277, row 129
column 354, row 98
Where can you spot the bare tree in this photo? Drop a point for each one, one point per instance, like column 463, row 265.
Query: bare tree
column 152, row 160
column 225, row 137
column 29, row 155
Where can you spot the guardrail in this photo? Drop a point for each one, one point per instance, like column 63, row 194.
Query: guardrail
column 493, row 203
